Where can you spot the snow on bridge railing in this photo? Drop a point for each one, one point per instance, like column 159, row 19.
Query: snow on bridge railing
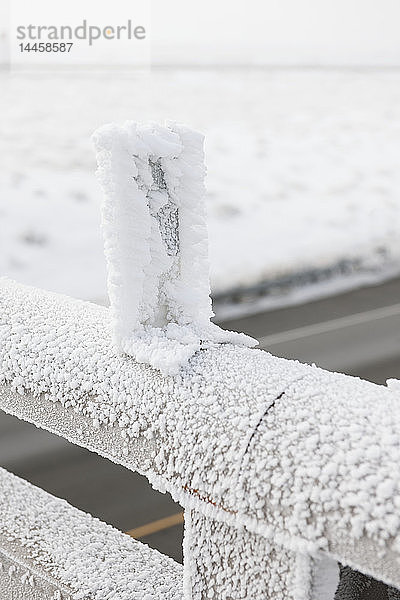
column 283, row 469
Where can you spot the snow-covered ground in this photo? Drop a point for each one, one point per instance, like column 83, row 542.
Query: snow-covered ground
column 304, row 170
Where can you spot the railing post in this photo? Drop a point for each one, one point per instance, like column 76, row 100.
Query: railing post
column 156, row 243
column 223, row 562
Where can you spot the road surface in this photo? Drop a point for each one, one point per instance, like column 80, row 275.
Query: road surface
column 356, row 332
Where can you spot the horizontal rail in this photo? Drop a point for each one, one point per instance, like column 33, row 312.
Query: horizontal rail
column 291, row 452
column 52, row 551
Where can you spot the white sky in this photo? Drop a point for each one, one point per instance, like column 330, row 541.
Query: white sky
column 280, row 31
column 255, row 31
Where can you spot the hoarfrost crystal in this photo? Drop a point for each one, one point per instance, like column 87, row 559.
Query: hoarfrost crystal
column 156, row 243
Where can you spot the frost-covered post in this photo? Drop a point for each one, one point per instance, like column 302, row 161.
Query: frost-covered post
column 156, row 242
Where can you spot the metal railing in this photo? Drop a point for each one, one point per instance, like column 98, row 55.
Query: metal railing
column 283, row 470
column 206, row 437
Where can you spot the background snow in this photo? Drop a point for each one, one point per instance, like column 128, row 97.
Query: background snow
column 303, row 169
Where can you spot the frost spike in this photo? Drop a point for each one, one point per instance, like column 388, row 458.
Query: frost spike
column 156, row 242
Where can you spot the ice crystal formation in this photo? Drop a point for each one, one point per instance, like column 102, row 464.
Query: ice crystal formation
column 156, row 242
column 262, row 452
column 284, row 470
column 61, row 553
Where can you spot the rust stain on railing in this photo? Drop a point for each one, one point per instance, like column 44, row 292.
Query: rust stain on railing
column 208, row 499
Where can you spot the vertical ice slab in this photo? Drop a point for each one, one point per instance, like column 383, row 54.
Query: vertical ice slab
column 156, row 242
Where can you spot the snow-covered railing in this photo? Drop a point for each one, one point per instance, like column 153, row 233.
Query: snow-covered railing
column 275, row 462
column 284, row 470
column 52, row 551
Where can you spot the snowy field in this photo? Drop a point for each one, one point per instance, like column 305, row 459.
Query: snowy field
column 303, row 171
